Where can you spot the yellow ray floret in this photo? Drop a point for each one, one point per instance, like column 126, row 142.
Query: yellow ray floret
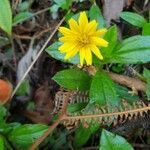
column 82, row 37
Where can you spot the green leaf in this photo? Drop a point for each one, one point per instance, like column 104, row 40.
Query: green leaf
column 95, row 14
column 132, row 50
column 53, row 51
column 64, row 4
column 54, row 8
column 24, row 88
column 82, row 134
column 73, row 79
column 110, row 141
column 146, row 74
column 19, row 18
column 111, row 37
column 24, row 6
column 146, row 29
column 1, row 143
column 23, row 136
column 3, row 113
column 123, row 93
column 5, row 128
column 5, row 16
column 133, row 18
column 102, row 90
column 3, row 41
column 72, row 108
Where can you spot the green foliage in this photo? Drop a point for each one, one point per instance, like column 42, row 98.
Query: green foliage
column 72, row 108
column 5, row 128
column 111, row 36
column 133, row 18
column 146, row 29
column 24, row 6
column 3, row 41
column 95, row 14
column 102, row 90
column 109, row 141
column 64, row 4
column 73, row 79
column 5, row 16
column 22, row 16
column 83, row 134
column 3, row 113
column 132, row 50
column 23, row 136
column 146, row 74
column 24, row 88
column 53, row 51
column 123, row 93
column 1, row 143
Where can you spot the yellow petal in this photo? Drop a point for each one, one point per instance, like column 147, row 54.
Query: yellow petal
column 83, row 21
column 65, row 31
column 67, row 39
column 88, row 56
column 99, row 41
column 82, row 56
column 91, row 27
column 66, row 47
column 101, row 32
column 73, row 25
column 96, row 51
column 71, row 53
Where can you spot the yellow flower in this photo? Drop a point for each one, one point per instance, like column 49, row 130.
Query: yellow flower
column 84, row 38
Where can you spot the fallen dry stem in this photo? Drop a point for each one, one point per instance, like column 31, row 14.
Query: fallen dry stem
column 128, row 81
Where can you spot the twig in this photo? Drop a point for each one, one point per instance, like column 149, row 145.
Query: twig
column 53, row 126
column 14, row 53
column 26, row 37
column 106, row 114
column 128, row 81
column 38, row 55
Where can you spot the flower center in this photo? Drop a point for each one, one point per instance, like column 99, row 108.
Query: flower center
column 84, row 39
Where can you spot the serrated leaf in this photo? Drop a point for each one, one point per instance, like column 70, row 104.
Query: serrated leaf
column 146, row 74
column 95, row 14
column 102, row 90
column 5, row 16
column 109, row 141
column 73, row 79
column 133, row 18
column 111, row 37
column 82, row 134
column 132, row 50
column 53, row 51
column 23, row 136
column 146, row 29
column 22, row 16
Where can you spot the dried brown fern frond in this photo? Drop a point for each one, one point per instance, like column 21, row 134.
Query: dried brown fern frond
column 106, row 115
column 75, row 97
